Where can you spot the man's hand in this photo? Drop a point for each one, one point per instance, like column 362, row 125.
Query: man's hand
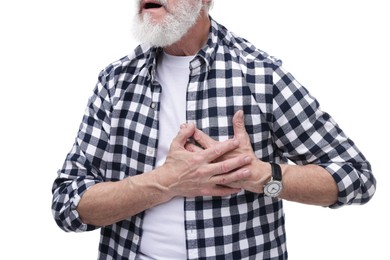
column 199, row 173
column 259, row 172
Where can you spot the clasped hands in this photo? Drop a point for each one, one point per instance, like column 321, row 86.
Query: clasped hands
column 212, row 168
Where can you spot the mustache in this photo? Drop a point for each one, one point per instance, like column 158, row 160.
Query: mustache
column 161, row 2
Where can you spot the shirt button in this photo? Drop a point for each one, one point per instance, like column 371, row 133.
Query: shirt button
column 150, row 151
column 153, row 105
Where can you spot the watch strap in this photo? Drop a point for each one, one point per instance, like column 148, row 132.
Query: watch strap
column 276, row 172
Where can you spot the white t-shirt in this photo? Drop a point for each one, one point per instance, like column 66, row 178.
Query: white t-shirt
column 163, row 234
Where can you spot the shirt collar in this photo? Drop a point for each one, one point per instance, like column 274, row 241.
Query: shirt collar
column 208, row 52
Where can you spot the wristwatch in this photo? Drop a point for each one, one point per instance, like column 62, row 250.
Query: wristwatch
column 274, row 187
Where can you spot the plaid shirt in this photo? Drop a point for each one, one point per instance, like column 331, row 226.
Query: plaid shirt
column 119, row 133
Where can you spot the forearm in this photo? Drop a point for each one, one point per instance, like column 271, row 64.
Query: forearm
column 309, row 184
column 184, row 173
column 109, row 202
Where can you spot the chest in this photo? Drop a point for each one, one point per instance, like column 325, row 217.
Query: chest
column 209, row 104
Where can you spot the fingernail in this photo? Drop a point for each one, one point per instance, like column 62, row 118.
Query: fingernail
column 241, row 114
column 184, row 125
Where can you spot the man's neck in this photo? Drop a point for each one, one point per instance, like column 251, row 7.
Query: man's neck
column 193, row 40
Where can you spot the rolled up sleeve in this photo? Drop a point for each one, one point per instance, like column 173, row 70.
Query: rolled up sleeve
column 85, row 164
column 66, row 197
column 307, row 135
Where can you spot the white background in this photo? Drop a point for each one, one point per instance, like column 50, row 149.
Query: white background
column 52, row 51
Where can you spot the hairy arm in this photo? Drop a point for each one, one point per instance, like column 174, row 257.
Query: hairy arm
column 309, row 184
column 109, row 202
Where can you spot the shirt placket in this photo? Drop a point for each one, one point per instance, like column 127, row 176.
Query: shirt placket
column 154, row 104
column 197, row 73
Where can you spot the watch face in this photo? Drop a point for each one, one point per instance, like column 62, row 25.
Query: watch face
column 273, row 188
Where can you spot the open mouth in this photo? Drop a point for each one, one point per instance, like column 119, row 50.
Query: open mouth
column 152, row 5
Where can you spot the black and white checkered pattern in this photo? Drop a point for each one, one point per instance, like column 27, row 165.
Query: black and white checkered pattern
column 118, row 138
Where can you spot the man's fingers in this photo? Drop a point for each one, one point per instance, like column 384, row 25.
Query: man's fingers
column 238, row 123
column 186, row 131
column 192, row 147
column 232, row 164
column 219, row 149
column 235, row 175
column 203, row 140
column 206, row 141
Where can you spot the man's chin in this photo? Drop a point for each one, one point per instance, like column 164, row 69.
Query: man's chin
column 164, row 29
column 156, row 34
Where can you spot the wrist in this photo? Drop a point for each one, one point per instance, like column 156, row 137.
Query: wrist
column 161, row 183
column 273, row 188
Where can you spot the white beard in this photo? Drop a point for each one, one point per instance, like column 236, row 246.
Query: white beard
column 172, row 28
